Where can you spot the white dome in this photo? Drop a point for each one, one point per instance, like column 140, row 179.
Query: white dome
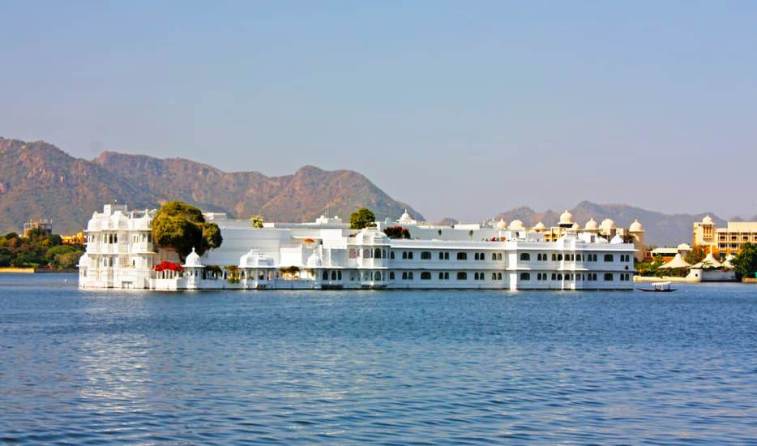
column 539, row 227
column 406, row 219
column 314, row 260
column 566, row 218
column 707, row 220
column 576, row 226
column 516, row 225
column 616, row 240
column 254, row 259
column 607, row 224
column 371, row 236
column 84, row 261
column 591, row 225
column 193, row 260
column 684, row 247
column 636, row 226
column 501, row 224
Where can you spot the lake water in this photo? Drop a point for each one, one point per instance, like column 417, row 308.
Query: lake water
column 446, row 367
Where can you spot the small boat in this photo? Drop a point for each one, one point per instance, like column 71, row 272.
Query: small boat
column 659, row 287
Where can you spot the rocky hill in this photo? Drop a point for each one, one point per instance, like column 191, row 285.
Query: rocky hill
column 661, row 229
column 39, row 180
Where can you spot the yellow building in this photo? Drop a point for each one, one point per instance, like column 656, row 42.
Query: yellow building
column 76, row 239
column 723, row 241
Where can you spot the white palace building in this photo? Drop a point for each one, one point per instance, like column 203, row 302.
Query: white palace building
column 326, row 254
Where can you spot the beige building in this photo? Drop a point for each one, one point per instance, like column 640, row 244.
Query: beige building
column 723, row 241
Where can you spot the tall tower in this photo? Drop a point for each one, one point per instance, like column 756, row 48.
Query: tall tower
column 636, row 230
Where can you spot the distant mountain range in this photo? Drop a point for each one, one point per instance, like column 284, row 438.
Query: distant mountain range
column 39, row 180
column 660, row 229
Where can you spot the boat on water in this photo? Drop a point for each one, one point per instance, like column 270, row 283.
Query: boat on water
column 659, row 287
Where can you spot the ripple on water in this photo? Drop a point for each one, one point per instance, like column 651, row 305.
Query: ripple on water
column 362, row 367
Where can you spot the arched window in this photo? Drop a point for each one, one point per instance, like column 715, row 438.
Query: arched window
column 377, row 253
column 525, row 256
column 391, row 255
column 367, row 253
column 377, row 275
column 325, row 275
column 333, row 275
column 559, row 277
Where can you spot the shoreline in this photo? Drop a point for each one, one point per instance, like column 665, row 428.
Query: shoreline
column 33, row 270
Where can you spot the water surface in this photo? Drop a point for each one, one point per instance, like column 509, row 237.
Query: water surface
column 391, row 367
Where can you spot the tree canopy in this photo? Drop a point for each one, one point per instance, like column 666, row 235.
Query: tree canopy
column 745, row 262
column 362, row 218
column 38, row 250
column 696, row 255
column 256, row 221
column 182, row 227
column 397, row 232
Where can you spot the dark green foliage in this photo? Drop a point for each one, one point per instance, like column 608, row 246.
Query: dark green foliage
column 696, row 255
column 182, row 227
column 745, row 262
column 38, row 250
column 362, row 218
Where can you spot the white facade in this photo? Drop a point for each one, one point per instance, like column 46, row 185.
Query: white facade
column 328, row 255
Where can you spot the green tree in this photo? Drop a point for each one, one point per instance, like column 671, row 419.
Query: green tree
column 69, row 260
column 745, row 262
column 256, row 221
column 182, row 227
column 696, row 255
column 362, row 218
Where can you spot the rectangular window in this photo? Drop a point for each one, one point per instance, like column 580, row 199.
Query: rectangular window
column 425, row 255
column 462, row 256
column 462, row 275
column 608, row 277
column 525, row 276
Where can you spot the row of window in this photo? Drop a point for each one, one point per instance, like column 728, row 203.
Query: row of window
column 335, row 275
column 444, row 275
column 608, row 277
column 369, row 253
column 543, row 257
column 379, row 253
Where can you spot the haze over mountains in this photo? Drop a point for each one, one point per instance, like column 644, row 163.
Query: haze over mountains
column 39, row 180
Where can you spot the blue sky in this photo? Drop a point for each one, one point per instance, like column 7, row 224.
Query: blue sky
column 462, row 109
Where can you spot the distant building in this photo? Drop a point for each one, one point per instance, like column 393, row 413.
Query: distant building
column 45, row 226
column 723, row 241
column 667, row 254
column 76, row 239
